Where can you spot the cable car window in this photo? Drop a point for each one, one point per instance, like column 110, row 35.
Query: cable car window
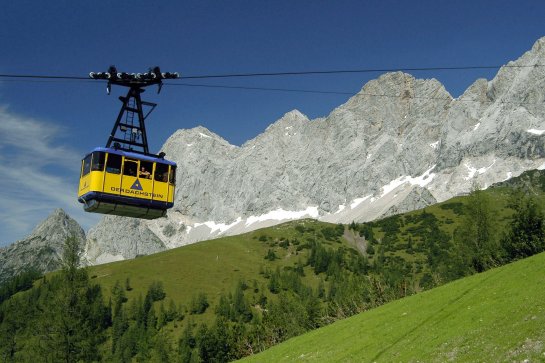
column 161, row 172
column 172, row 175
column 130, row 168
column 98, row 161
column 113, row 165
column 86, row 165
column 146, row 168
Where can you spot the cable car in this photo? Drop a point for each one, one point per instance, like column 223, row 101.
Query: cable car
column 123, row 178
column 126, row 184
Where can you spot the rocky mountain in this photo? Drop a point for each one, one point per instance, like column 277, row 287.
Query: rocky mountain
column 400, row 143
column 43, row 248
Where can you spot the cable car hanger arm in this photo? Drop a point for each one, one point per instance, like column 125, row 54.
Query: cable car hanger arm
column 129, row 132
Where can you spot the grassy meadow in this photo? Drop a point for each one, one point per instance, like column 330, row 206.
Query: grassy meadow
column 495, row 316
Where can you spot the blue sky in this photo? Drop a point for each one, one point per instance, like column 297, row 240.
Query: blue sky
column 46, row 127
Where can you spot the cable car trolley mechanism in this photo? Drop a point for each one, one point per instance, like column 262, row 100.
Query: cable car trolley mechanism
column 123, row 178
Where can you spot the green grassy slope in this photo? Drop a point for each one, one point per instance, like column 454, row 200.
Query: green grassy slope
column 495, row 316
column 214, row 267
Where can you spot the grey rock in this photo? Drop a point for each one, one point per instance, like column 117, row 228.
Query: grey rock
column 120, row 238
column 43, row 248
column 400, row 143
column 418, row 198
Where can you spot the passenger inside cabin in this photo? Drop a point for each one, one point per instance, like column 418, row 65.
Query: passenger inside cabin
column 144, row 173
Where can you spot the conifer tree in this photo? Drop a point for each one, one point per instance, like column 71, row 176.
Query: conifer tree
column 527, row 234
column 73, row 323
column 477, row 242
column 186, row 345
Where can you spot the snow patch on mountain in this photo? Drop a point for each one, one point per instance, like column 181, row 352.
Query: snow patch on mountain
column 218, row 227
column 282, row 215
column 358, row 201
column 473, row 171
column 421, row 180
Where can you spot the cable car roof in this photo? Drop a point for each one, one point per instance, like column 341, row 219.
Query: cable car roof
column 138, row 156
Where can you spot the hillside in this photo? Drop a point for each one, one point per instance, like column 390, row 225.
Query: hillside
column 215, row 267
column 235, row 296
column 495, row 316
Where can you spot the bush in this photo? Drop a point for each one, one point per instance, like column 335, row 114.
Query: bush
column 156, row 291
column 199, row 304
column 271, row 256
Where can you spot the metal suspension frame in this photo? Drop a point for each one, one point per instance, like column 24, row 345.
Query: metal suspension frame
column 132, row 132
column 126, row 134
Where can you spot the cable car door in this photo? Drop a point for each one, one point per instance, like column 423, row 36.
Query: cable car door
column 112, row 177
column 130, row 185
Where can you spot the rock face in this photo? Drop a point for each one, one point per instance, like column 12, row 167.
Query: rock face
column 400, row 143
column 43, row 248
column 141, row 241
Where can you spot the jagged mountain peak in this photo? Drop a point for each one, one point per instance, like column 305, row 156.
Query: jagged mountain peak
column 539, row 46
column 195, row 134
column 293, row 118
column 43, row 248
column 198, row 142
column 404, row 83
column 281, row 131
column 57, row 221
column 519, row 81
column 395, row 101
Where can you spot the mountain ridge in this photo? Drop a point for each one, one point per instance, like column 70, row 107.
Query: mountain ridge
column 399, row 144
column 399, row 137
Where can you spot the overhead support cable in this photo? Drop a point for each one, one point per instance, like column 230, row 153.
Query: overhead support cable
column 301, row 73
column 54, row 79
column 258, row 88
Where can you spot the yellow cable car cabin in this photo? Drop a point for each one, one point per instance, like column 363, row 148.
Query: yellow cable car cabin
column 124, row 178
column 125, row 183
